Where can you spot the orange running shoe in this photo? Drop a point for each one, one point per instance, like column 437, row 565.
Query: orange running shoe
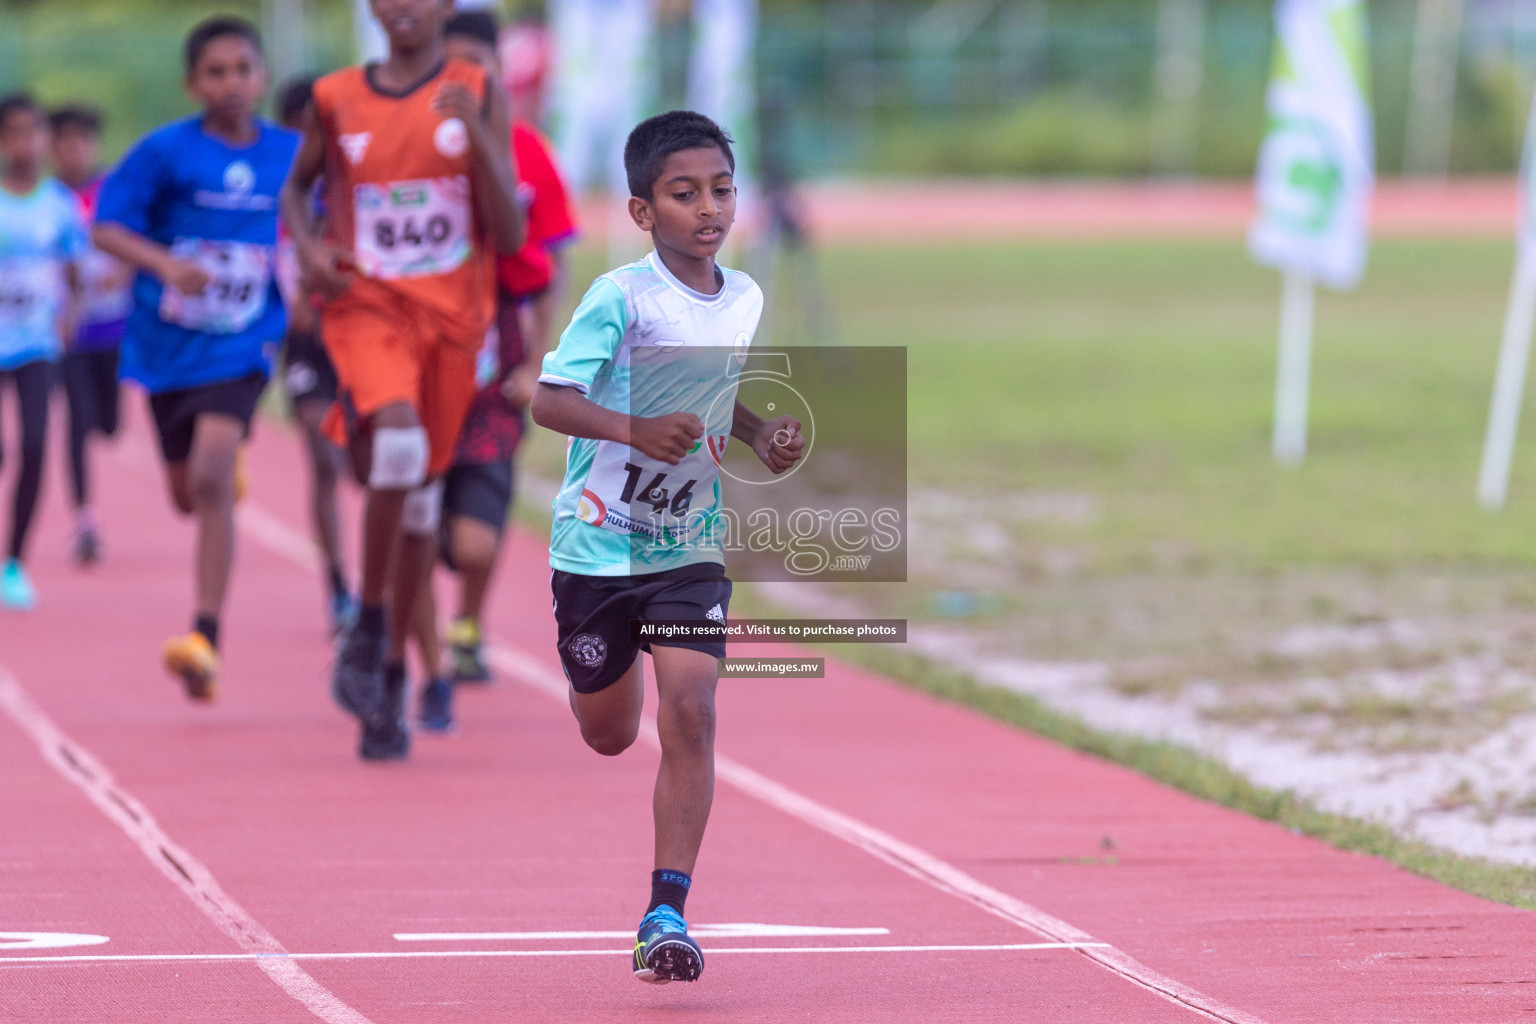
column 193, row 660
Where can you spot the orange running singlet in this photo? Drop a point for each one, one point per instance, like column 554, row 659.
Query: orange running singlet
column 398, row 196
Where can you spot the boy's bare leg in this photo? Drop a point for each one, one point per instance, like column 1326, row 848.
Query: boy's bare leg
column 176, row 480
column 610, row 718
column 428, row 644
column 204, row 486
column 413, row 571
column 361, row 680
column 323, row 457
column 210, row 487
column 435, row 705
column 475, row 546
column 685, row 785
column 381, row 515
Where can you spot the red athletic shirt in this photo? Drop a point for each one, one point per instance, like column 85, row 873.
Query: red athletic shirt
column 547, row 211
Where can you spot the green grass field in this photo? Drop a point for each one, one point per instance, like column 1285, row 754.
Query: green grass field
column 1137, row 379
column 1142, row 374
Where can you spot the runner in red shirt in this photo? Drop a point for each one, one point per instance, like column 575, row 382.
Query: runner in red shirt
column 479, row 486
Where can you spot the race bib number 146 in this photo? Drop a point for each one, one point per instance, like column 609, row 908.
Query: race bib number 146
column 631, row 494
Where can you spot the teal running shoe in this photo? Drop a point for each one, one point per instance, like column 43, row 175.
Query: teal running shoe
column 663, row 950
column 16, row 590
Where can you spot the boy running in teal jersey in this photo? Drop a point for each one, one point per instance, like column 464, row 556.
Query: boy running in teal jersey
column 621, row 385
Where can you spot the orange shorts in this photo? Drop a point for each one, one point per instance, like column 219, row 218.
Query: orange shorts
column 397, row 351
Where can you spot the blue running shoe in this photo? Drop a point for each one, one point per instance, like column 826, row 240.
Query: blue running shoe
column 343, row 610
column 435, row 711
column 663, row 950
column 16, row 590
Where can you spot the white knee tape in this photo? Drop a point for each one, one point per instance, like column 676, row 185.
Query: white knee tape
column 400, row 456
column 423, row 510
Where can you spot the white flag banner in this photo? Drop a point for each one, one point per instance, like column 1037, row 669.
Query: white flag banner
column 1528, row 194
column 605, row 83
column 1316, row 167
column 722, row 80
column 372, row 44
column 1515, row 348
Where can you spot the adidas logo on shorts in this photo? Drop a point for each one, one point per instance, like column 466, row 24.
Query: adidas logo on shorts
column 715, row 615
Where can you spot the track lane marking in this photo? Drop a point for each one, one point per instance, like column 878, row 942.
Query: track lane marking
column 282, row 539
column 698, row 931
column 185, row 871
column 48, row 940
column 903, row 856
column 437, row 954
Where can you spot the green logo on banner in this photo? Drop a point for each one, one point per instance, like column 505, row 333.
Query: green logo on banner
column 1301, row 176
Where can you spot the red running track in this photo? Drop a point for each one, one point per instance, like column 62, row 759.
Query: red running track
column 243, row 865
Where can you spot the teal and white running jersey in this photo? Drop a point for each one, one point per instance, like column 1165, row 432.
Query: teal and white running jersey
column 644, row 344
column 40, row 233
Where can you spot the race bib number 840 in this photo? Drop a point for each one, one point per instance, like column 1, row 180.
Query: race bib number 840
column 412, row 228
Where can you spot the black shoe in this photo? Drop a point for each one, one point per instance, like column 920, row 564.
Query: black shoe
column 435, row 710
column 357, row 678
column 87, row 547
column 385, row 736
column 464, row 642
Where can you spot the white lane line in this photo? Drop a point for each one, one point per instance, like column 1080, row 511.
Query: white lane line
column 185, row 871
column 901, row 855
column 698, row 931
column 904, row 857
column 48, row 940
column 438, row 954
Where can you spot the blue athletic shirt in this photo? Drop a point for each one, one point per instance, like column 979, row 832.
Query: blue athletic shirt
column 216, row 205
column 39, row 233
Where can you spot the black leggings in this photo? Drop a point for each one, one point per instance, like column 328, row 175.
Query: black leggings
column 90, row 384
column 33, row 382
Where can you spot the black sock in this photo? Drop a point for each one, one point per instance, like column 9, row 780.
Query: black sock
column 209, row 627
column 338, row 582
column 370, row 618
column 670, row 887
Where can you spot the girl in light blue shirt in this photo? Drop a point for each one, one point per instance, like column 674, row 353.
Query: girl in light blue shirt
column 42, row 238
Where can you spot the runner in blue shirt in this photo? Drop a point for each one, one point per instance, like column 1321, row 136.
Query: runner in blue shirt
column 194, row 207
column 42, row 237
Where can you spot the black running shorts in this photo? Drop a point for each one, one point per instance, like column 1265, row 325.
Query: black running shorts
column 176, row 412
column 593, row 613
column 307, row 370
column 481, row 491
